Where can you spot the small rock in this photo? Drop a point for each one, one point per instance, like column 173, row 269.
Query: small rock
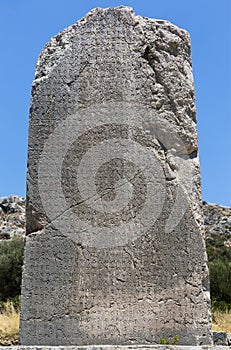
column 19, row 231
column 7, row 208
column 3, row 200
column 220, row 338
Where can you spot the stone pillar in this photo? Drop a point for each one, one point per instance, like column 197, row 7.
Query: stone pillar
column 115, row 252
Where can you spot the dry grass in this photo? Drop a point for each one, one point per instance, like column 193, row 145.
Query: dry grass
column 9, row 325
column 222, row 322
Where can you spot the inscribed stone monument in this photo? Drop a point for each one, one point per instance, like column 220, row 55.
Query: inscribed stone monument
column 114, row 251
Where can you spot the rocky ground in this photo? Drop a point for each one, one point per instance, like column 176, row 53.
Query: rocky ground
column 12, row 218
column 217, row 220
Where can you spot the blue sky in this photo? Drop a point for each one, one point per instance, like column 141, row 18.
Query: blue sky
column 27, row 25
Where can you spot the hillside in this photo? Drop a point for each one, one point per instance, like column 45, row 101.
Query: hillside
column 217, row 221
column 12, row 216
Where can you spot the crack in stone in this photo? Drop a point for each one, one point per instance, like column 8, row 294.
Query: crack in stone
column 97, row 196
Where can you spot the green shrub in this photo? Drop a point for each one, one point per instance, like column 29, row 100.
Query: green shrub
column 11, row 305
column 219, row 257
column 220, row 306
column 220, row 282
column 216, row 249
column 11, row 260
column 167, row 341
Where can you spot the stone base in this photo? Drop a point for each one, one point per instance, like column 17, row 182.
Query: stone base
column 117, row 347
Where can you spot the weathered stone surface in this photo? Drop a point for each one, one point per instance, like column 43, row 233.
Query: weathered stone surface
column 111, row 347
column 115, row 251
